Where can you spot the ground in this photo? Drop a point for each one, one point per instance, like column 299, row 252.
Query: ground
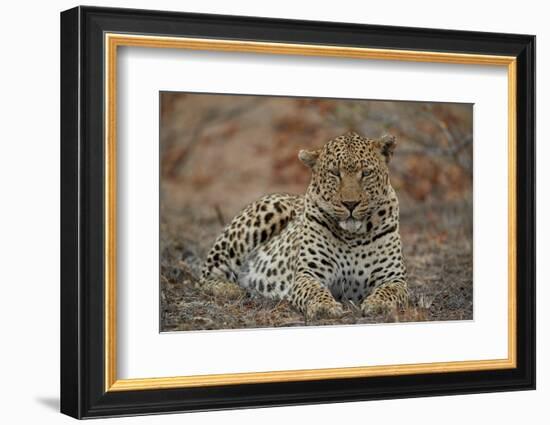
column 218, row 153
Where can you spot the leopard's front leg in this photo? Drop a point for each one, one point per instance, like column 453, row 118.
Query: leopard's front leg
column 385, row 297
column 313, row 299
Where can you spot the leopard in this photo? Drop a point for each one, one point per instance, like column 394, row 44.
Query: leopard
column 338, row 243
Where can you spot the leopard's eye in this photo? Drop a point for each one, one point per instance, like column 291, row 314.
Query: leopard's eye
column 366, row 173
column 335, row 172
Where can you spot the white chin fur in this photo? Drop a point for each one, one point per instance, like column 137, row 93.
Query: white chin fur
column 351, row 225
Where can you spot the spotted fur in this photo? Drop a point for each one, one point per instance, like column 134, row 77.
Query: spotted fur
column 340, row 241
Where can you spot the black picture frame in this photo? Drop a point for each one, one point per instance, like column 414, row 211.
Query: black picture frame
column 83, row 392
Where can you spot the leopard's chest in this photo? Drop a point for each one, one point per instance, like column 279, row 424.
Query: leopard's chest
column 358, row 268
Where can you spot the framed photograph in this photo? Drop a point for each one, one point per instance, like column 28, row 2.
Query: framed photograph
column 261, row 212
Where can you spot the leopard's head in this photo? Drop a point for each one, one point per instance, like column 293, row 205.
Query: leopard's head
column 350, row 178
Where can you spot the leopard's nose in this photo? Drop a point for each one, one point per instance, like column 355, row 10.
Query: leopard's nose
column 350, row 205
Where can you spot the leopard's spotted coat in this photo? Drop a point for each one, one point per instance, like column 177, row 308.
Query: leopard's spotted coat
column 339, row 241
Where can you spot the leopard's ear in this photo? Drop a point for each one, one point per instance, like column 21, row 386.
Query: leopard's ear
column 387, row 146
column 308, row 157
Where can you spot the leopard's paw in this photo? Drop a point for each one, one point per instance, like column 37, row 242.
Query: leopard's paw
column 223, row 289
column 376, row 305
column 386, row 298
column 325, row 310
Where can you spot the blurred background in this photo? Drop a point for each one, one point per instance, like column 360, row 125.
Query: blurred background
column 220, row 152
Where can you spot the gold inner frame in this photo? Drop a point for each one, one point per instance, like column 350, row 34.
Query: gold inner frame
column 113, row 41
